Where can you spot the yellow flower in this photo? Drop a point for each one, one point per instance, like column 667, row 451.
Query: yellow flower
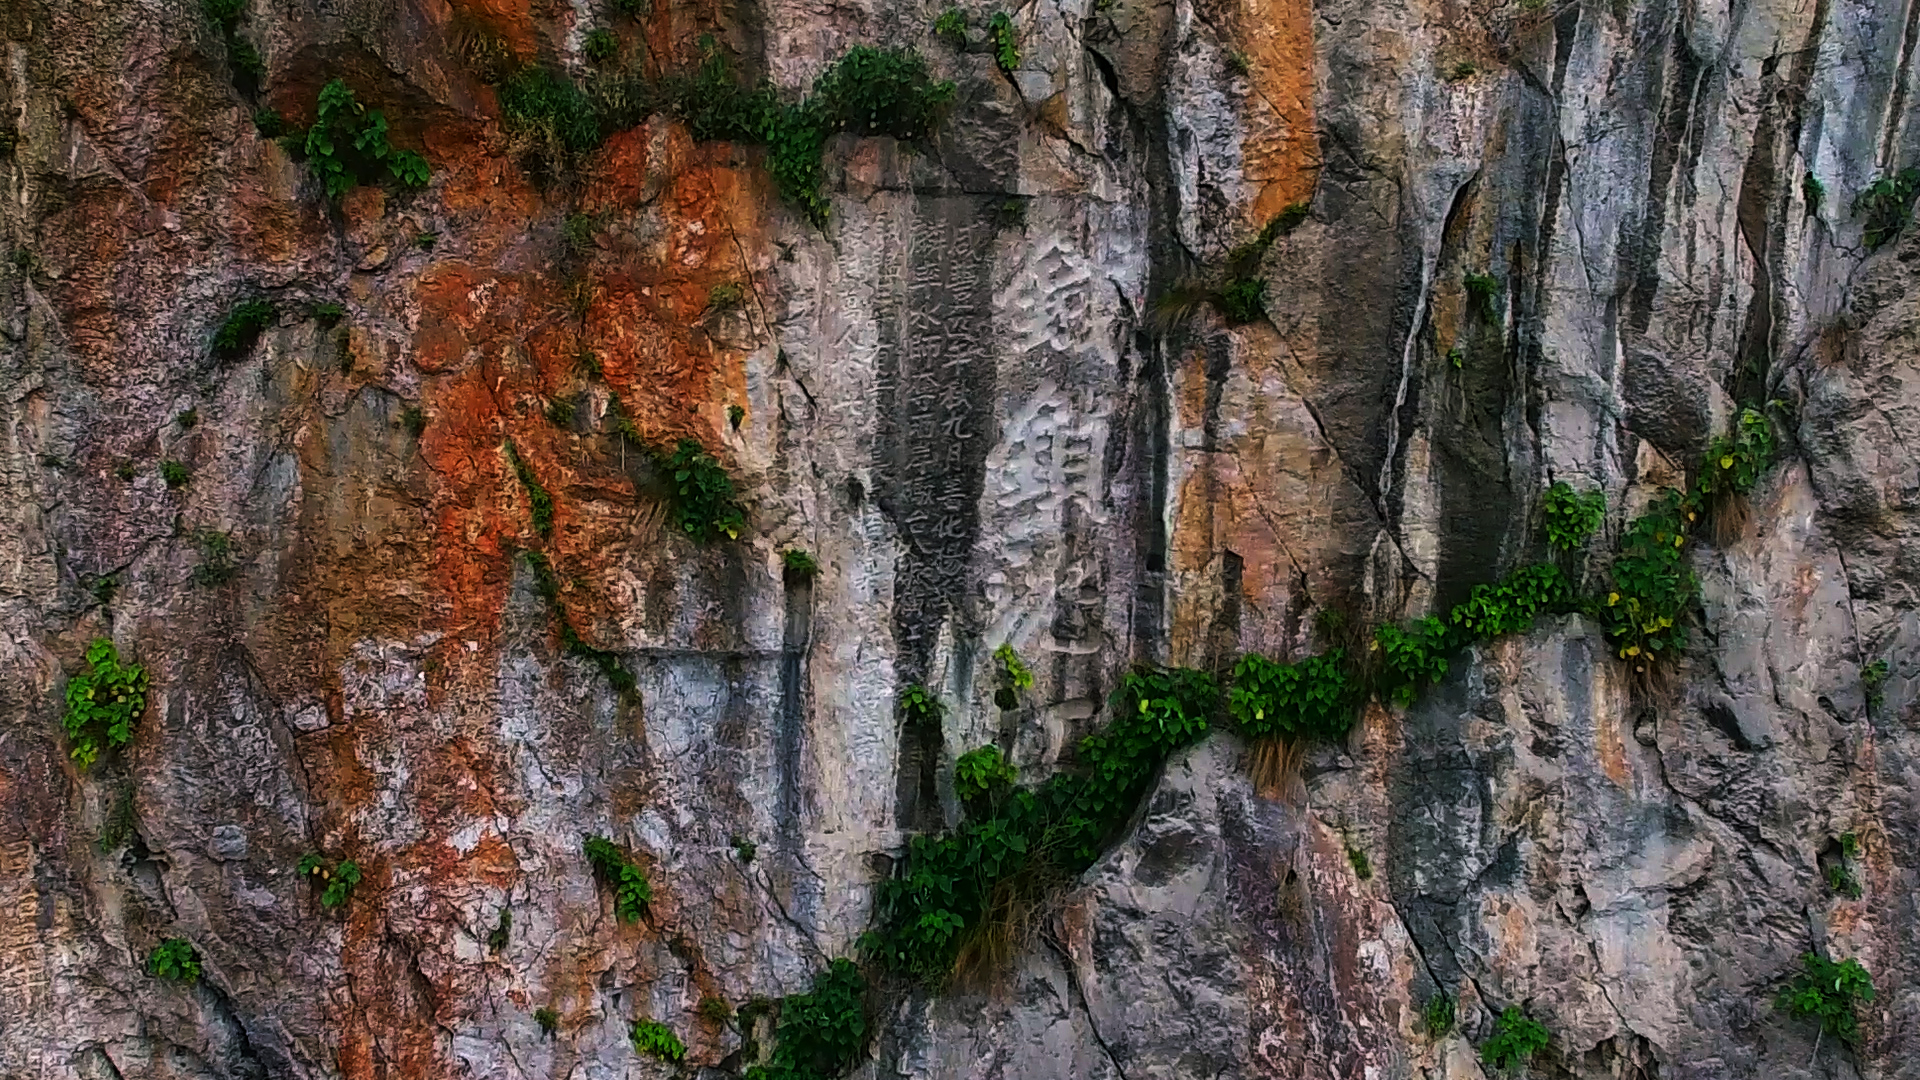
column 1613, row 598
column 1677, row 540
column 1633, row 650
column 1726, row 462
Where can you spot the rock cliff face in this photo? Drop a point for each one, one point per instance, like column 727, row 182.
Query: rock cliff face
column 969, row 399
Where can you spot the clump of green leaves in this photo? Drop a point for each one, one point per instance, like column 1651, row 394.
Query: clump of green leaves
column 1436, row 1016
column 538, row 500
column 735, row 414
column 1734, row 462
column 656, row 1039
column 1309, row 700
column 174, row 959
column 982, row 772
column 957, row 892
column 1457, row 357
column 1887, row 206
column 578, row 231
column 1652, row 585
column 248, row 68
column 716, row 1009
column 103, row 702
column 548, row 1019
column 1362, row 866
column 1840, row 874
column 600, row 45
column 1873, row 680
column 1239, row 62
column 1014, row 676
column 414, row 419
column 560, row 413
column 952, row 25
column 336, row 882
column 502, row 932
column 1812, row 191
column 269, row 123
column 347, row 146
column 555, row 122
column 1572, row 517
column 1516, row 1038
column 1462, row 70
column 1829, row 992
column 327, row 313
column 187, row 419
column 217, row 565
column 799, row 564
column 1412, row 658
column 822, row 1032
column 1243, row 300
column 1006, row 41
column 705, row 505
column 632, row 892
column 242, row 328
column 726, row 296
column 918, row 705
column 743, row 848
column 1510, row 605
column 1481, row 291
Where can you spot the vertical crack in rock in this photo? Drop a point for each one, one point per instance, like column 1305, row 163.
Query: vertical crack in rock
column 796, row 633
column 934, row 395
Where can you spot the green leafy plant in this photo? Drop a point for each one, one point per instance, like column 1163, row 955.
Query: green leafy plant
column 174, row 473
column 540, row 503
column 952, row 25
column 269, row 123
column 1362, row 866
column 1461, row 71
column 125, row 471
column 327, row 313
column 1015, row 676
column 726, row 296
column 982, row 772
column 1412, row 658
column 1309, row 700
column 600, row 45
column 1457, row 357
column 347, row 146
column 242, row 57
column 1873, row 680
column 632, row 892
column 1436, row 1016
column 1006, row 41
column 743, row 848
column 1887, row 206
column 918, row 705
column 823, row 1032
column 1516, row 1038
column 243, row 326
column 1735, row 462
column 1572, row 517
column 548, row 1019
column 560, row 413
column 414, row 419
column 174, row 959
column 1510, row 605
column 187, row 418
column 578, row 230
column 1482, row 289
column 1243, row 300
column 1239, row 62
column 960, row 897
column 336, row 882
column 735, row 414
column 426, row 240
column 502, row 932
column 103, row 702
column 217, row 565
column 1652, row 585
column 799, row 564
column 638, row 9
column 1829, row 993
column 1010, row 212
column 716, row 1009
column 656, row 1039
column 1812, row 191
column 705, row 506
column 1841, row 879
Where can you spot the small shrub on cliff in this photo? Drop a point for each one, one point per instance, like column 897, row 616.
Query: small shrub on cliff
column 1652, row 585
column 1243, row 300
column 548, row 1019
column 1873, row 681
column 1572, row 517
column 981, row 772
column 799, row 565
column 1829, row 993
column 217, row 565
column 600, row 45
column 103, row 702
column 1887, row 204
column 1436, row 1016
column 952, row 25
column 1305, row 701
column 653, row 1038
column 716, row 1009
column 726, row 296
column 554, row 120
column 1733, row 465
column 1481, row 291
column 347, row 146
column 242, row 328
column 822, row 1032
column 1006, row 41
column 336, row 882
column 1812, row 192
column 174, row 959
column 1412, row 658
column 1362, row 866
column 705, row 505
column 918, row 705
column 1516, row 1038
column 1510, row 605
column 1014, row 676
column 632, row 892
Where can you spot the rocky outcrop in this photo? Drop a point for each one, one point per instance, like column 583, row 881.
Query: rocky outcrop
column 969, row 398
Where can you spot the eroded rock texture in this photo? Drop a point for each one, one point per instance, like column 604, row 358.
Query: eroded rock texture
column 966, row 399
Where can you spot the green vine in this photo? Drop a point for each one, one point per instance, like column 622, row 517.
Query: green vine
column 540, row 502
column 1313, row 699
column 1516, row 1038
column 1006, row 41
column 982, row 772
column 655, row 1039
column 632, row 892
column 103, row 702
column 1829, row 993
column 1572, row 517
column 705, row 505
column 347, row 146
column 823, row 1032
column 1652, row 584
column 174, row 959
column 243, row 326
